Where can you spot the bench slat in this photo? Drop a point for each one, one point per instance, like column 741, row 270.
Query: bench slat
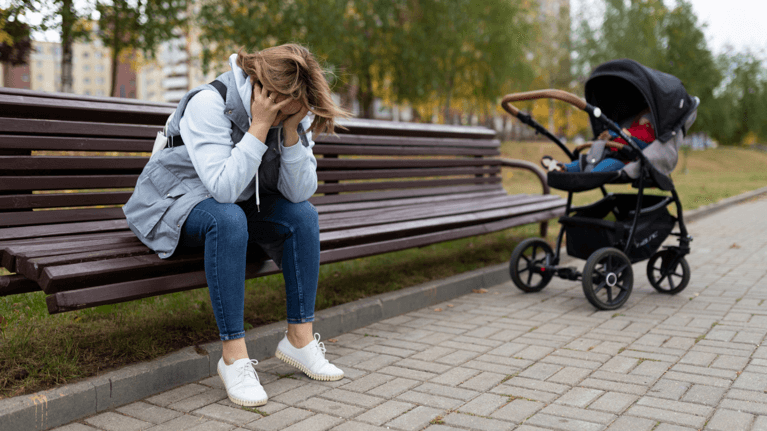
column 77, row 128
column 32, row 268
column 384, row 185
column 348, row 139
column 401, row 151
column 343, row 164
column 32, row 218
column 342, row 208
column 127, row 291
column 62, row 229
column 67, row 182
column 59, row 143
column 64, row 163
column 404, row 193
column 55, row 200
column 375, row 174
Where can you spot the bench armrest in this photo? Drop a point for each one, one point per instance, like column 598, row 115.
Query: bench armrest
column 16, row 283
column 523, row 164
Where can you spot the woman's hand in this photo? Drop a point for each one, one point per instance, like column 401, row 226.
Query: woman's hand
column 263, row 110
column 291, row 126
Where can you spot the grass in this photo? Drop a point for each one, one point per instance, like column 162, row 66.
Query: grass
column 39, row 351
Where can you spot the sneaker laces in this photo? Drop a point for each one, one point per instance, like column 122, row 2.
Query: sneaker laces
column 320, row 345
column 247, row 369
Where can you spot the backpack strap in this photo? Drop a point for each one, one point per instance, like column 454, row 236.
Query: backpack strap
column 177, row 141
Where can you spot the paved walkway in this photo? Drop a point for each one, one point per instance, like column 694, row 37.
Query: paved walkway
column 504, row 360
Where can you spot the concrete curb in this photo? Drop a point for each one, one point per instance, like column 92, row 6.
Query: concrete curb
column 54, row 407
column 709, row 209
column 48, row 409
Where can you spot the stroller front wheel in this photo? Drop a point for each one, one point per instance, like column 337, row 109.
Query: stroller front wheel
column 663, row 272
column 608, row 278
column 527, row 263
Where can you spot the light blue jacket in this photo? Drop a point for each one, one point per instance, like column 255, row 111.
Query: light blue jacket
column 219, row 160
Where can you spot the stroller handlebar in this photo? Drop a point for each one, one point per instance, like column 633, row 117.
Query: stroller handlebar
column 541, row 94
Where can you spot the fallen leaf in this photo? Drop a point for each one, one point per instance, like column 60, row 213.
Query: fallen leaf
column 437, row 309
column 332, row 340
column 450, row 305
column 735, row 245
column 479, row 290
column 496, row 293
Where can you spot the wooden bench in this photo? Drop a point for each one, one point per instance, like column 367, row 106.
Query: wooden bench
column 384, row 186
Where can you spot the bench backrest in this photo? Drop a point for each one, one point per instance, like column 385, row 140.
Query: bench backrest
column 75, row 159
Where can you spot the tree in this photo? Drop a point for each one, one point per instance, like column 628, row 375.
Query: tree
column 15, row 42
column 138, row 25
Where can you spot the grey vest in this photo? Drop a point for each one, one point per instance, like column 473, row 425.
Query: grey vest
column 169, row 187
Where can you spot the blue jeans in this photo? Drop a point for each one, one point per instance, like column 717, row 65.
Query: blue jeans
column 606, row 165
column 225, row 231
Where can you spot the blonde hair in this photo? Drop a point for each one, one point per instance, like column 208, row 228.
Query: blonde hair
column 292, row 70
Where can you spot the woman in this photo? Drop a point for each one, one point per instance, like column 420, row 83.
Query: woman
column 238, row 172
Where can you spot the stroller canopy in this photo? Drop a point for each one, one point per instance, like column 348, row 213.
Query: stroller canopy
column 623, row 88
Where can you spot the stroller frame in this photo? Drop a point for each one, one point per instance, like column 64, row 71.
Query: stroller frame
column 611, row 275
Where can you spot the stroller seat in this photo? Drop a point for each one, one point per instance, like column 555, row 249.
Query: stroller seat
column 583, row 181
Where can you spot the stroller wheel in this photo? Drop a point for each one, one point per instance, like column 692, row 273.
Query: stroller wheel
column 608, row 278
column 664, row 273
column 526, row 265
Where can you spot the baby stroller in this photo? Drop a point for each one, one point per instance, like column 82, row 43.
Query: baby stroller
column 620, row 229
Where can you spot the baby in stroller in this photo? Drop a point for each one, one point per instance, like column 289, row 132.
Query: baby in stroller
column 641, row 132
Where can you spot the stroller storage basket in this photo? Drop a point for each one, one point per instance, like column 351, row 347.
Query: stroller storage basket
column 587, row 230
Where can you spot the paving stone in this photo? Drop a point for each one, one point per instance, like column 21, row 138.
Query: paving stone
column 475, row 422
column 670, row 427
column 295, row 396
column 726, row 420
column 280, row 420
column 177, row 394
column 232, row 415
column 75, row 427
column 407, row 373
column 578, row 414
column 430, row 400
column 613, row 402
column 760, row 424
column 483, row 381
column 579, row 397
column 484, row 404
column 196, row 401
column 670, row 389
column 353, row 398
column 631, row 423
column 415, row 419
column 676, row 406
column 518, row 410
column 455, row 377
column 385, row 412
column 148, row 413
column 212, row 426
column 318, row 422
column 368, row 382
column 393, row 387
column 331, row 407
column 667, row 416
column 534, row 353
column 445, row 391
column 181, row 423
column 357, row 426
column 111, row 421
column 569, row 376
column 560, row 423
column 701, row 394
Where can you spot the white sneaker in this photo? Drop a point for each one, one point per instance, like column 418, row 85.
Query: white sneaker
column 310, row 359
column 241, row 382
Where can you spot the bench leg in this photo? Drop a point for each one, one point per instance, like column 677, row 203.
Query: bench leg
column 544, row 228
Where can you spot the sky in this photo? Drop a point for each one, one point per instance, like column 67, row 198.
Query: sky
column 740, row 23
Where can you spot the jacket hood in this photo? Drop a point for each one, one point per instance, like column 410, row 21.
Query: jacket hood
column 242, row 81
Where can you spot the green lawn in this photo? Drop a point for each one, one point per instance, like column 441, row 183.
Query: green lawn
column 39, row 351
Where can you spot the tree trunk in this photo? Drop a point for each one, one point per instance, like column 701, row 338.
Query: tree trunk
column 448, row 95
column 115, row 51
column 67, row 22
column 366, row 97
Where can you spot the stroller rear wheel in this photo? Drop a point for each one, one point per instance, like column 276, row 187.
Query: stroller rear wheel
column 527, row 265
column 608, row 278
column 664, row 273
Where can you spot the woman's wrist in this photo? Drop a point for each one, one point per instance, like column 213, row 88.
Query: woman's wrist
column 291, row 138
column 259, row 131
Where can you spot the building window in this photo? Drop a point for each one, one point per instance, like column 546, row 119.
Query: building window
column 86, row 67
column 85, row 54
column 87, row 81
column 132, row 95
column 40, row 77
column 99, row 68
column 58, row 50
column 99, row 92
column 39, row 64
column 150, row 82
column 87, row 92
column 100, row 81
column 98, row 54
column 53, row 49
column 25, row 78
column 150, row 95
